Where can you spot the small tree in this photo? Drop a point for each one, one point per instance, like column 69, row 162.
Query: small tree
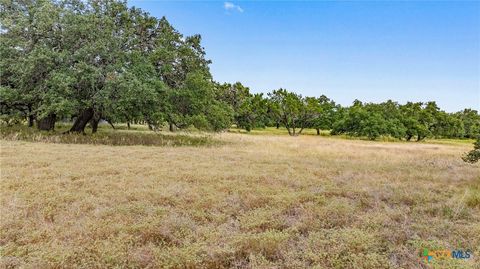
column 292, row 110
column 471, row 122
column 474, row 155
column 326, row 114
column 370, row 120
column 252, row 112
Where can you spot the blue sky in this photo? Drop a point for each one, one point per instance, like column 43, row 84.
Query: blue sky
column 371, row 51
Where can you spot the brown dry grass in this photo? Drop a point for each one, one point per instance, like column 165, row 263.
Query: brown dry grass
column 254, row 202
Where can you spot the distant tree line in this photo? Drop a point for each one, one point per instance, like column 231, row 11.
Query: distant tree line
column 88, row 61
column 411, row 121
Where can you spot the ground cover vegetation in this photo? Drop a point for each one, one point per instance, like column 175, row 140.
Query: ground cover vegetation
column 255, row 201
column 91, row 61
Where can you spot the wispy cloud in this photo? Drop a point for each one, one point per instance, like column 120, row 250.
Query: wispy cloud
column 228, row 6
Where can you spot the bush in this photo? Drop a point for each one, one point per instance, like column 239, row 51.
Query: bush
column 474, row 155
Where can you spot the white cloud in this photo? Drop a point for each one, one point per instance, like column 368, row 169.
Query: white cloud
column 231, row 6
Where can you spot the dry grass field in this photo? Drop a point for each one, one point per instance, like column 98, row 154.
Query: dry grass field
column 255, row 201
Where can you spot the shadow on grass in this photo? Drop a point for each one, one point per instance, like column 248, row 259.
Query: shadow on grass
column 112, row 137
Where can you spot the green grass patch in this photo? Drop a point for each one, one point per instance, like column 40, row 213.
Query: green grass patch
column 326, row 133
column 450, row 141
column 275, row 131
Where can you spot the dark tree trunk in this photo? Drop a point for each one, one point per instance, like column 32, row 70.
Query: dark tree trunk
column 94, row 122
column 290, row 131
column 278, row 125
column 170, row 127
column 128, row 125
column 111, row 124
column 300, row 132
column 318, row 131
column 82, row 119
column 47, row 123
column 31, row 119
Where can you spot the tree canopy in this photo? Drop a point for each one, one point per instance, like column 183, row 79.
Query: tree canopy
column 100, row 59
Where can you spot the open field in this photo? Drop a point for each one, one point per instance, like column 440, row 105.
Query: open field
column 254, row 201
